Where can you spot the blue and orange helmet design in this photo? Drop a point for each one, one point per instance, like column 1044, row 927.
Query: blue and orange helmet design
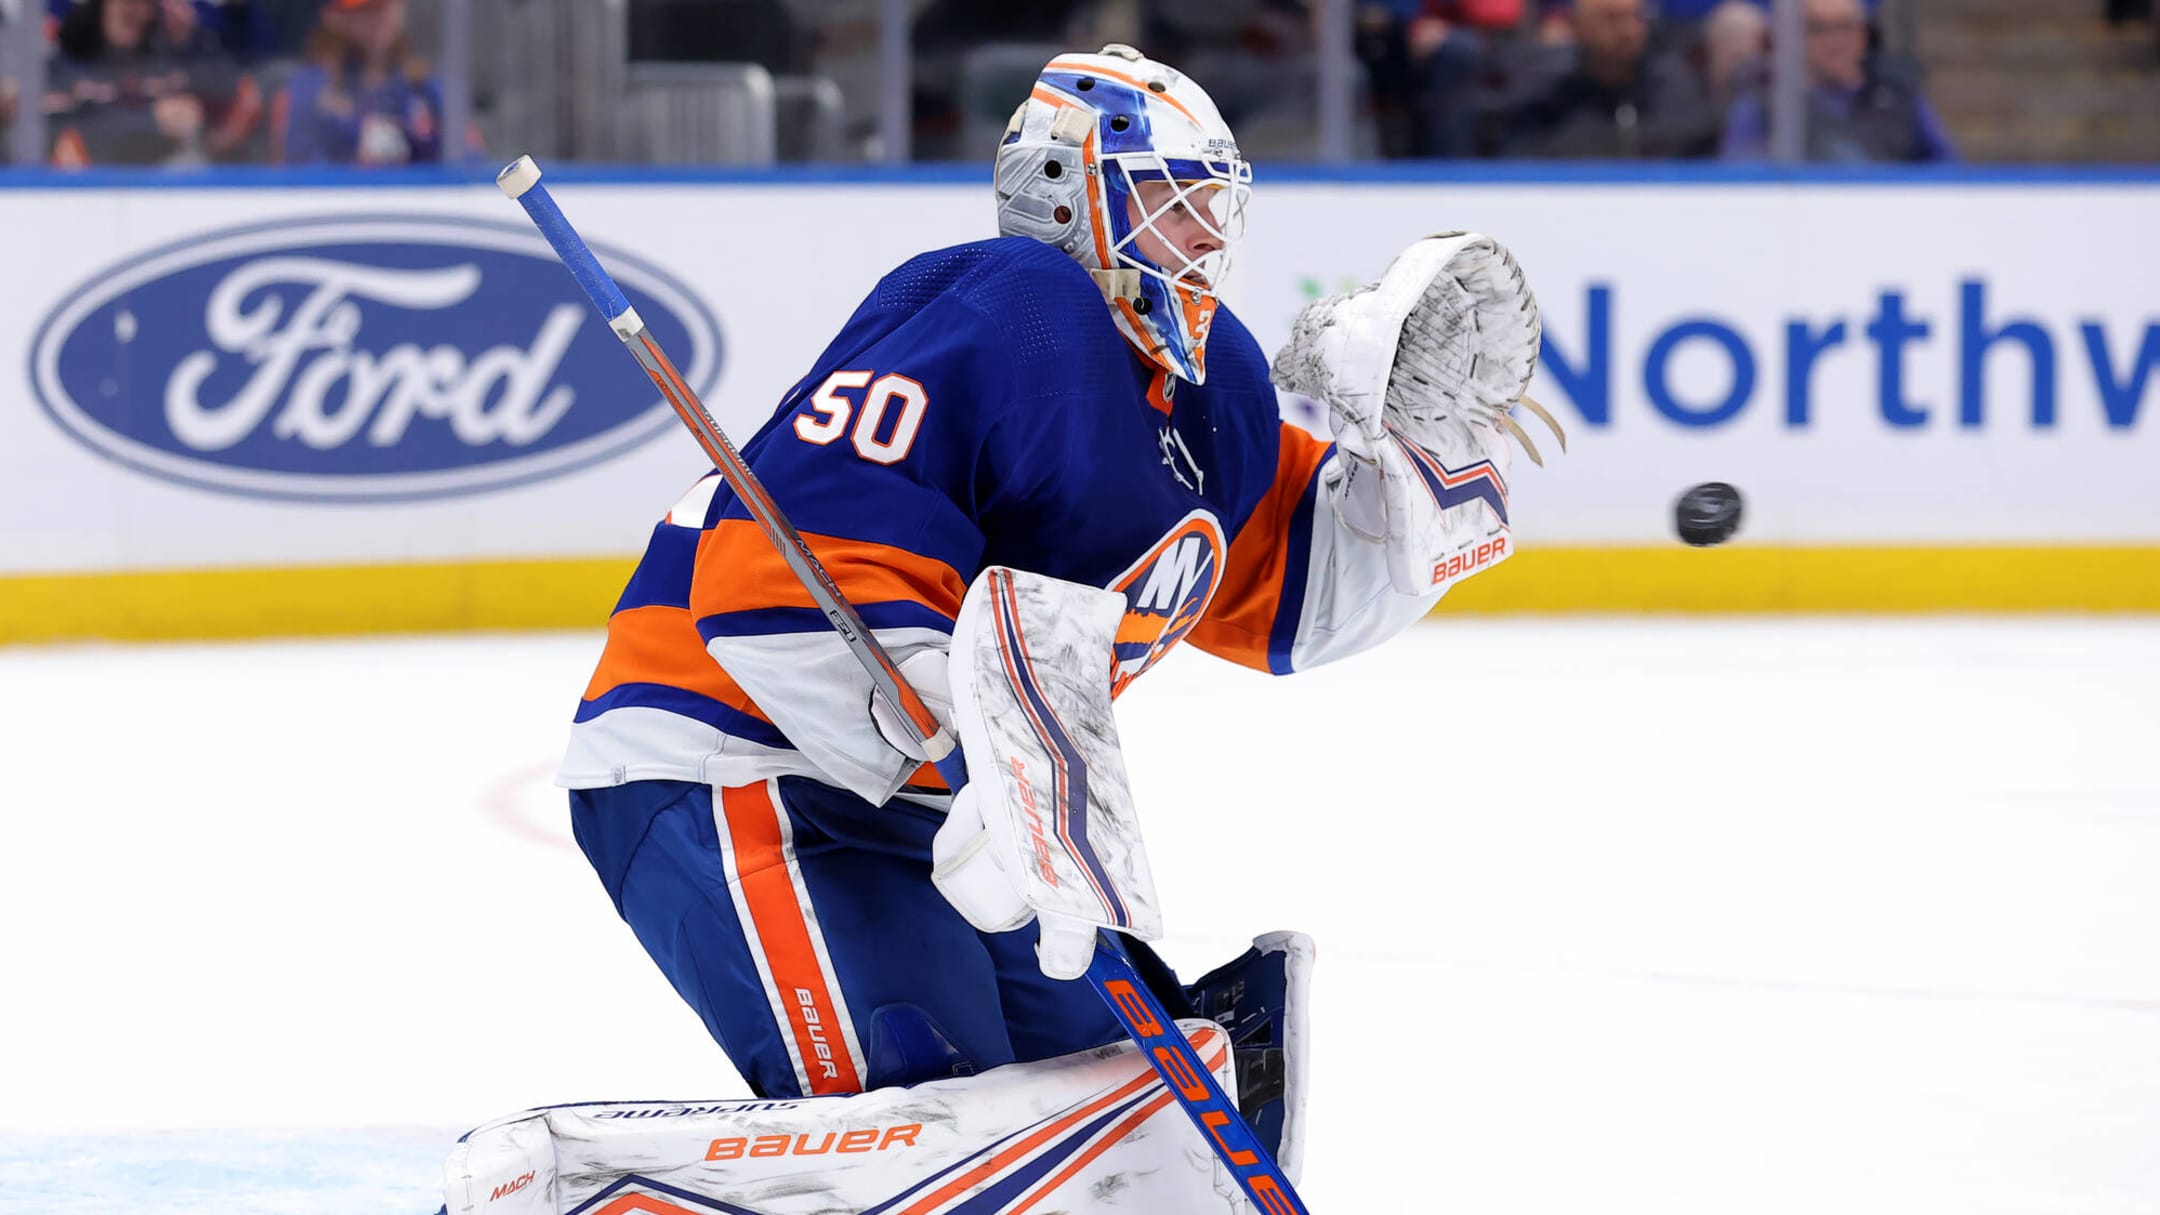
column 1126, row 164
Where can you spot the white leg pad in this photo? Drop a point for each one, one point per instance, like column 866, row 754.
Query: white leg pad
column 1095, row 1131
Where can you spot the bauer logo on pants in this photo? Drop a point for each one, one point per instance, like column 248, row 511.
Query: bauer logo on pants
column 359, row 359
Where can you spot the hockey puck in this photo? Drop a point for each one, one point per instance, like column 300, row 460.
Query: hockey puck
column 1707, row 514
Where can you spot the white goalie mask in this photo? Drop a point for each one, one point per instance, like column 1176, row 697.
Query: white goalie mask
column 1079, row 169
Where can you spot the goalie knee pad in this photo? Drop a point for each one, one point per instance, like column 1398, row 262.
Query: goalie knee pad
column 1092, row 1131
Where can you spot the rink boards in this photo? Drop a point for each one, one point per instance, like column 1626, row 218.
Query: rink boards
column 334, row 403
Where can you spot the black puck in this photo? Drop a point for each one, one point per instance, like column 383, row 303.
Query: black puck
column 1707, row 514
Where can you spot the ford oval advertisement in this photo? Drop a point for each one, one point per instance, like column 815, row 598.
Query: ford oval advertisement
column 359, row 359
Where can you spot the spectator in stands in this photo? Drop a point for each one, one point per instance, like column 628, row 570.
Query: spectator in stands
column 362, row 97
column 764, row 32
column 1259, row 58
column 2120, row 11
column 1616, row 101
column 955, row 22
column 8, row 87
column 1427, row 62
column 281, row 27
column 1860, row 106
column 233, row 25
column 1735, row 44
column 236, row 24
column 947, row 33
column 1720, row 51
column 139, row 82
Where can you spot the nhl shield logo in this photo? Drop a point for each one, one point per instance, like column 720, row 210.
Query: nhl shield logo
column 1165, row 593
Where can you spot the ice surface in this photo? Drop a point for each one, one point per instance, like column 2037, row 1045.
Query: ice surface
column 1669, row 916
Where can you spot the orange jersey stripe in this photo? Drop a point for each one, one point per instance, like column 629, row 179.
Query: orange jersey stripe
column 739, row 570
column 1242, row 616
column 927, row 779
column 768, row 887
column 661, row 645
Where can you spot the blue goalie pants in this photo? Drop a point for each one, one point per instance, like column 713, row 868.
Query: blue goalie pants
column 800, row 922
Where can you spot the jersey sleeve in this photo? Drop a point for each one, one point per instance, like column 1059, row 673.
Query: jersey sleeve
column 1299, row 588
column 873, row 459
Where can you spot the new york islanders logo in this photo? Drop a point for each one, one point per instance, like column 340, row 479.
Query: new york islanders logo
column 1165, row 592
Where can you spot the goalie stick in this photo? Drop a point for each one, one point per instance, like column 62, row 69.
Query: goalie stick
column 1111, row 972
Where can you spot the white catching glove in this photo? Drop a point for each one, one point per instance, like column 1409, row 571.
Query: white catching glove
column 1419, row 371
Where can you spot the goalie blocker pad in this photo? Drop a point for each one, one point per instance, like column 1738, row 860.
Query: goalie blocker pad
column 1031, row 661
column 1093, row 1131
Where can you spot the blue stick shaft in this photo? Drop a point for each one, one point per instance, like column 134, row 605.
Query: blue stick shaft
column 1188, row 1078
column 1111, row 972
column 597, row 284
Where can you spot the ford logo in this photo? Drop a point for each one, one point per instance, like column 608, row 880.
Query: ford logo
column 360, row 359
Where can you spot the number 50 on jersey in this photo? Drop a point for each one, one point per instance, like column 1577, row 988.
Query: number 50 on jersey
column 877, row 438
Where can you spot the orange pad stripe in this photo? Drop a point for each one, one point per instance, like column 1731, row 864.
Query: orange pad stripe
column 1117, row 1135
column 642, row 1204
column 1046, row 1132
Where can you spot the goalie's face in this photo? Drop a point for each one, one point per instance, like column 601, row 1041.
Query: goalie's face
column 1173, row 227
column 1127, row 165
column 1178, row 230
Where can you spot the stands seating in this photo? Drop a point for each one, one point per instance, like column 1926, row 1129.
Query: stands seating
column 762, row 32
column 811, row 119
column 994, row 79
column 698, row 113
column 657, row 81
column 2040, row 80
column 722, row 81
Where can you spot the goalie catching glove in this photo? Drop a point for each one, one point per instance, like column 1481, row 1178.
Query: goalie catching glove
column 1419, row 372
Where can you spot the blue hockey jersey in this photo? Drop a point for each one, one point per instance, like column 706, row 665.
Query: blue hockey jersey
column 979, row 408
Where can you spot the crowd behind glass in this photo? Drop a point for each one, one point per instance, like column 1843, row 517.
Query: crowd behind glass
column 300, row 82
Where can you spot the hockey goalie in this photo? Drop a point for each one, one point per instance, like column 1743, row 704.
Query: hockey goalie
column 1034, row 464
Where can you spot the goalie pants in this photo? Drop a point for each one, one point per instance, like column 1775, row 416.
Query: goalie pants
column 800, row 922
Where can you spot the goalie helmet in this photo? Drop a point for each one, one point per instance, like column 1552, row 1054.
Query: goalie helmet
column 1070, row 172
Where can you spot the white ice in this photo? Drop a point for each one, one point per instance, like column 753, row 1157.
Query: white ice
column 1772, row 916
